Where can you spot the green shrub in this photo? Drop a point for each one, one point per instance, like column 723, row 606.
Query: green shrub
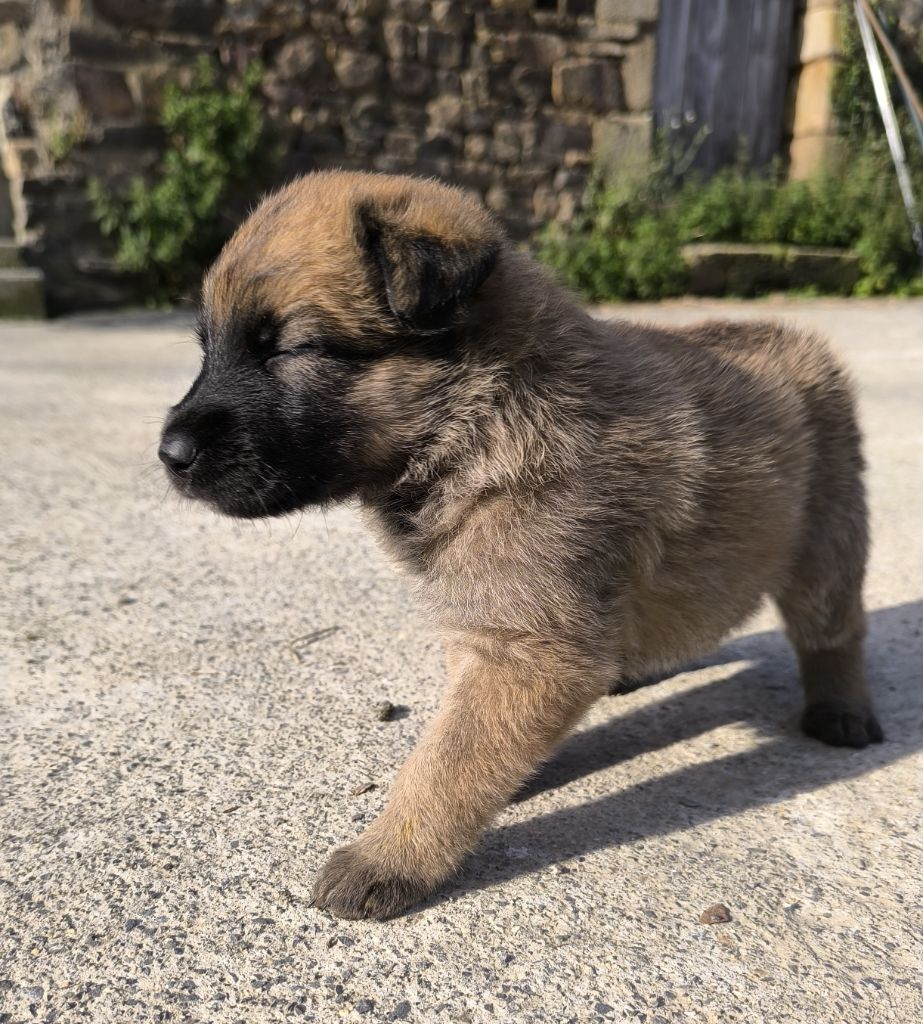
column 170, row 228
column 626, row 243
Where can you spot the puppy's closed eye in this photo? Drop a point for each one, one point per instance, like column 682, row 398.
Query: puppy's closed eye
column 289, row 352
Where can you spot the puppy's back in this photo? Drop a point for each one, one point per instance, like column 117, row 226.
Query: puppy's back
column 772, row 454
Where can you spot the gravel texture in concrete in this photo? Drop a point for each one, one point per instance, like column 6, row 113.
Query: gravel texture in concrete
column 190, row 720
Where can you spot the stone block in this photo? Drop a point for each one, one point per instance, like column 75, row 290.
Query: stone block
column 22, row 293
column 476, row 147
column 277, row 19
column 476, row 175
column 311, row 148
column 400, row 38
column 725, row 268
column 544, row 203
column 410, row 10
column 531, row 85
column 533, row 49
column 19, row 12
column 811, row 154
column 627, row 10
column 7, row 219
column 814, row 99
column 356, row 69
column 11, row 39
column 440, row 49
column 9, row 254
column 598, row 48
column 402, row 145
column 303, row 59
column 370, row 116
column 362, row 8
column 570, row 178
column 638, row 73
column 410, row 115
column 622, row 145
column 481, row 86
column 192, row 16
column 409, row 79
column 513, row 6
column 147, row 85
column 448, row 82
column 103, row 93
column 488, row 24
column 587, row 84
column 578, row 8
column 446, row 113
column 388, row 163
column 25, row 158
column 498, row 198
column 821, row 34
column 619, row 31
column 327, row 24
column 507, row 146
column 569, row 204
column 530, row 133
column 122, row 150
column 362, row 32
column 106, row 49
column 450, row 16
column 439, row 147
column 558, row 137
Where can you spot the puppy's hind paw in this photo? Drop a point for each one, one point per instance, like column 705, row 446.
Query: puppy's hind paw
column 841, row 724
column 351, row 885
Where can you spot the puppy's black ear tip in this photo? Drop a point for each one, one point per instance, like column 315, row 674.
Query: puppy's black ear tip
column 429, row 248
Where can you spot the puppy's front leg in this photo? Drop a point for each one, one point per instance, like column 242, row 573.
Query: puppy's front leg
column 502, row 716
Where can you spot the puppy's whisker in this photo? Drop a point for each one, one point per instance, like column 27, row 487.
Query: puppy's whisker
column 323, row 512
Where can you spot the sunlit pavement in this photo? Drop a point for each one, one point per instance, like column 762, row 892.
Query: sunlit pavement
column 187, row 715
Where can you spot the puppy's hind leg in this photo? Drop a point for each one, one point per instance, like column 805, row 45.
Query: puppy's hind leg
column 822, row 608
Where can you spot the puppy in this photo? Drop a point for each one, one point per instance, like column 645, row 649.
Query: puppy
column 582, row 503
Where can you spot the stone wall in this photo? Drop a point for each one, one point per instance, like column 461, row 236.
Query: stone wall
column 511, row 98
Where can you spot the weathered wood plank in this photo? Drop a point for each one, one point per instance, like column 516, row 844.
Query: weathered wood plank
column 732, row 130
column 672, row 46
column 703, row 74
column 723, row 64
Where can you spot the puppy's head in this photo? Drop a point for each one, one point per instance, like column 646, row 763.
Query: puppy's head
column 327, row 325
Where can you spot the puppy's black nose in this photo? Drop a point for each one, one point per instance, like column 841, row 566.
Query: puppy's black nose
column 177, row 451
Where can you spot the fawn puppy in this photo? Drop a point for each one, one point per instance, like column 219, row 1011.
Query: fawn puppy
column 581, row 502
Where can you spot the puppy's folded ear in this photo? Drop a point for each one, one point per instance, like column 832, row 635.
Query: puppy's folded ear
column 428, row 266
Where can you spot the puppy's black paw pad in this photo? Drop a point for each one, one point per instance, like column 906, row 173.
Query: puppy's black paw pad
column 841, row 725
column 351, row 885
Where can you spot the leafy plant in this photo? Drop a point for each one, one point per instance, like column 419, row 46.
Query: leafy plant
column 626, row 243
column 64, row 134
column 168, row 229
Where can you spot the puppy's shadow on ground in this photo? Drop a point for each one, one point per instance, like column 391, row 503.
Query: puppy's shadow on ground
column 765, row 695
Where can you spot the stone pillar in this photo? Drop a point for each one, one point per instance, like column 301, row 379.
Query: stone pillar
column 814, row 132
column 623, row 136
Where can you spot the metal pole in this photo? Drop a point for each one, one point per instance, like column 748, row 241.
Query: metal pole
column 895, row 144
column 914, row 105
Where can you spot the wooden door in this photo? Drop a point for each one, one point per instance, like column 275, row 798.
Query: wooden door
column 721, row 79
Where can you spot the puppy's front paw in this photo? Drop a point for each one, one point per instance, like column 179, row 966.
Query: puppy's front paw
column 352, row 885
column 841, row 724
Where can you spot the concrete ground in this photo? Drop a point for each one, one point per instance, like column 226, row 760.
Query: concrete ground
column 187, row 722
